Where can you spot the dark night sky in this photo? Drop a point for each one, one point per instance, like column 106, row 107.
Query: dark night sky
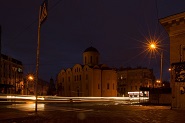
column 117, row 28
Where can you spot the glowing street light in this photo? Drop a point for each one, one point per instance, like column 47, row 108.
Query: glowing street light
column 158, row 81
column 152, row 46
column 30, row 77
column 169, row 69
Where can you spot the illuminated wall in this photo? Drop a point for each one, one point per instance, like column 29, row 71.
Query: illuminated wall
column 90, row 79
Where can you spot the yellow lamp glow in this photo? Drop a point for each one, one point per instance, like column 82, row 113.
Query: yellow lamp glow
column 30, row 77
column 153, row 46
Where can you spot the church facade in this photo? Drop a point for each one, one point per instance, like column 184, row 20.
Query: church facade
column 89, row 79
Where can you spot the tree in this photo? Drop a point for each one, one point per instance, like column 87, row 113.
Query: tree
column 51, row 89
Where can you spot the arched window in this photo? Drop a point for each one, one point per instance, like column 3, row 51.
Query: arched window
column 91, row 59
column 107, row 85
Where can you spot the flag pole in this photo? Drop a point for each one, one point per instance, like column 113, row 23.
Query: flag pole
column 37, row 64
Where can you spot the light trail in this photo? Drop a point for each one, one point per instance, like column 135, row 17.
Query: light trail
column 26, row 98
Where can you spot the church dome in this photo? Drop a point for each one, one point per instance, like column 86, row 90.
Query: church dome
column 91, row 56
column 91, row 49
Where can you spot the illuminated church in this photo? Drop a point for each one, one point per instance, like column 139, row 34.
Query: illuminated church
column 88, row 80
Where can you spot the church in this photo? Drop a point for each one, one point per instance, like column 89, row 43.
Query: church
column 89, row 79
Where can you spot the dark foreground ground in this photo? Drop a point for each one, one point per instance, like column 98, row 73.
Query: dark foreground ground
column 94, row 114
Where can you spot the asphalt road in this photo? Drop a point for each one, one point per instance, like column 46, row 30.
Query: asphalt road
column 99, row 112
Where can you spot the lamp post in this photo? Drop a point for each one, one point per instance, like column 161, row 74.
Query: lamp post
column 30, row 78
column 153, row 47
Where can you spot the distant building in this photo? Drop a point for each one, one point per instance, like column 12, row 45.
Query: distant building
column 42, row 87
column 175, row 27
column 51, row 88
column 132, row 79
column 89, row 79
column 11, row 75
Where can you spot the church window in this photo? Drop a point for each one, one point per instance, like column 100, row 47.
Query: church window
column 86, row 76
column 87, row 86
column 91, row 59
column 80, row 77
column 107, row 85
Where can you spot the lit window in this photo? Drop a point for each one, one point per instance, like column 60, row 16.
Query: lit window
column 121, row 77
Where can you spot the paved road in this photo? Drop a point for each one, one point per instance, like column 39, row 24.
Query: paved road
column 92, row 113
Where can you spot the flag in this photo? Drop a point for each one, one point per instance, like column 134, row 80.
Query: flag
column 43, row 11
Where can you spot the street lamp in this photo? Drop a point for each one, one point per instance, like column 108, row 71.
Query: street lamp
column 153, row 47
column 30, row 78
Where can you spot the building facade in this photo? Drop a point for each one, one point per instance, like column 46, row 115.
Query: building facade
column 11, row 78
column 132, row 79
column 90, row 79
column 175, row 27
